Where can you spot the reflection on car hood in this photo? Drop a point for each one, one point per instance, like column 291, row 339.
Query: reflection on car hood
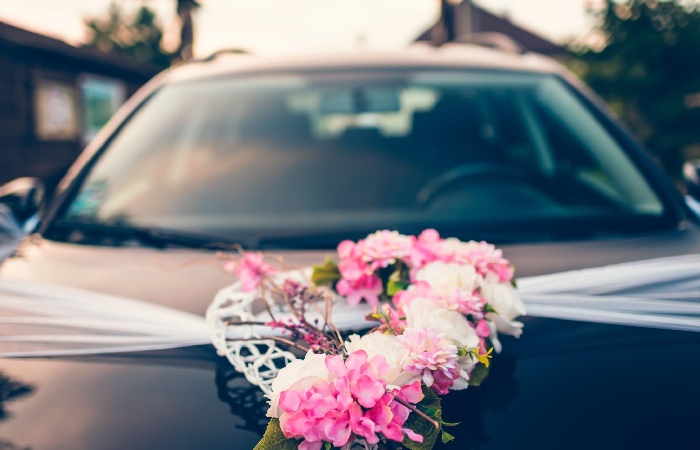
column 188, row 279
column 562, row 385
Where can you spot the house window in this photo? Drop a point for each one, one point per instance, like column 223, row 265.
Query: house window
column 101, row 98
column 56, row 111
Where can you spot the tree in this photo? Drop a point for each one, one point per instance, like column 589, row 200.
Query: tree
column 185, row 10
column 138, row 36
column 648, row 71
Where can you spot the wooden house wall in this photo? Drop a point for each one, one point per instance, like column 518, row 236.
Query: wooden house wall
column 22, row 152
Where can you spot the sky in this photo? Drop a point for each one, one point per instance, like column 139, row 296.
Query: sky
column 296, row 26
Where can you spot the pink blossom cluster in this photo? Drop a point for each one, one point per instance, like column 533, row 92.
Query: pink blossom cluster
column 251, row 270
column 360, row 261
column 432, row 357
column 352, row 403
column 485, row 257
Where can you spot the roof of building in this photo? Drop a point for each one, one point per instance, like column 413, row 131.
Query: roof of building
column 24, row 39
column 491, row 23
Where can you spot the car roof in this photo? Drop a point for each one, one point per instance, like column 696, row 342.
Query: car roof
column 459, row 56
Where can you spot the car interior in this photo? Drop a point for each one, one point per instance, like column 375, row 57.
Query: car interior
column 494, row 147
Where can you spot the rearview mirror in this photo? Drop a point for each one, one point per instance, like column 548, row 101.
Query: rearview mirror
column 23, row 197
column 360, row 101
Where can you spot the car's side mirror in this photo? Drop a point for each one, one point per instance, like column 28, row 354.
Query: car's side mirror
column 691, row 176
column 23, row 197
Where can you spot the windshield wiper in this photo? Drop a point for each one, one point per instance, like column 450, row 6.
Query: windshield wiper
column 148, row 236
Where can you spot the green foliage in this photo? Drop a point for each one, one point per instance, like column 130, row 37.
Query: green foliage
column 326, row 274
column 273, row 439
column 430, row 405
column 138, row 36
column 394, row 286
column 647, row 71
column 479, row 374
column 398, row 280
column 447, row 437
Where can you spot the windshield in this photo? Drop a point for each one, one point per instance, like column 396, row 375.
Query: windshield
column 267, row 160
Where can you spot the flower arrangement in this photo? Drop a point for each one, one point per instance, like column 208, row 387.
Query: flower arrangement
column 438, row 306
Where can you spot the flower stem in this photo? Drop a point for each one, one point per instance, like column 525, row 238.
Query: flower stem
column 432, row 421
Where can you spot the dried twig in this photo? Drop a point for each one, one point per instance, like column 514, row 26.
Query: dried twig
column 272, row 338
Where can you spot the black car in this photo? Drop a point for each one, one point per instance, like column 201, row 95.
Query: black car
column 293, row 156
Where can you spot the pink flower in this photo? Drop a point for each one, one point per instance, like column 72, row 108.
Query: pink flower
column 383, row 248
column 429, row 354
column 351, row 265
column 389, row 416
column 411, row 393
column 229, row 266
column 482, row 329
column 353, row 404
column 464, row 301
column 251, row 269
column 420, row 289
column 367, row 287
column 364, row 379
column 489, row 260
column 338, row 430
column 426, row 249
column 362, row 425
column 486, row 259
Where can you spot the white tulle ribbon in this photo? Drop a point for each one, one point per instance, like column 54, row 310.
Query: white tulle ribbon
column 660, row 293
column 45, row 320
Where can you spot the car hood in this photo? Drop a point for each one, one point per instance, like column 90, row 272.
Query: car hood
column 188, row 279
column 562, row 385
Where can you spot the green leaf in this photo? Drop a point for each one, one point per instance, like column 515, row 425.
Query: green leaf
column 326, row 274
column 479, row 374
column 394, row 286
column 422, row 427
column 273, row 439
column 489, row 309
column 397, row 281
column 447, row 437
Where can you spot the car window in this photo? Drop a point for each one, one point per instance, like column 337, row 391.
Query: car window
column 313, row 154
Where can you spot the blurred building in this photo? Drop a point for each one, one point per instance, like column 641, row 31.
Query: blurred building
column 461, row 18
column 54, row 97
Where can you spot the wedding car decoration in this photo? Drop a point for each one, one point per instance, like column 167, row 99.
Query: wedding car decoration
column 434, row 307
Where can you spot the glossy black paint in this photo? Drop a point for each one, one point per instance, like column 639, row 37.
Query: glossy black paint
column 563, row 385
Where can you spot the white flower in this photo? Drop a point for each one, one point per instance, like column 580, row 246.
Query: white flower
column 505, row 300
column 298, row 374
column 467, row 364
column 424, row 313
column 511, row 328
column 390, row 348
column 440, row 275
